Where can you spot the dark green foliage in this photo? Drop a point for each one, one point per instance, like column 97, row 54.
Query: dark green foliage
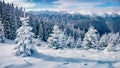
column 10, row 19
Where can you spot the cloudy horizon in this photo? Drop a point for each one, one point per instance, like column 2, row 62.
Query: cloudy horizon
column 69, row 5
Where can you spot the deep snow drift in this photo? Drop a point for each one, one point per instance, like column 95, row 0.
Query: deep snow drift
column 48, row 58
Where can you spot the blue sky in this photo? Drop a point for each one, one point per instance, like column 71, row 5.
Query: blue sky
column 68, row 5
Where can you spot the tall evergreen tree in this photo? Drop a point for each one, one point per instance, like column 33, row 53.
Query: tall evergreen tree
column 2, row 37
column 114, row 42
column 24, row 40
column 79, row 43
column 70, row 42
column 56, row 39
column 63, row 39
column 104, row 40
column 91, row 39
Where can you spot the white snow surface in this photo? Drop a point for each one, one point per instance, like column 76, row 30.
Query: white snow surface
column 49, row 58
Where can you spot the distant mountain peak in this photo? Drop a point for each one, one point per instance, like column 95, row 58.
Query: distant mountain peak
column 102, row 14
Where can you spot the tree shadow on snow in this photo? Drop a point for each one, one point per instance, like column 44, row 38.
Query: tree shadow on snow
column 74, row 60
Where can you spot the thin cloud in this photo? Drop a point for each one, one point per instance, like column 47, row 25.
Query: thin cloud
column 89, row 5
column 84, row 6
column 21, row 3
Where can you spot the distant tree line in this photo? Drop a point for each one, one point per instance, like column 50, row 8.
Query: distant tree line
column 92, row 40
column 43, row 22
column 10, row 18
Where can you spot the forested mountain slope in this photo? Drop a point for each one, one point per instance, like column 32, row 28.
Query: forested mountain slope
column 43, row 21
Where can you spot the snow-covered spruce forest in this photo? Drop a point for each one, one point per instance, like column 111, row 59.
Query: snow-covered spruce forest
column 58, row 39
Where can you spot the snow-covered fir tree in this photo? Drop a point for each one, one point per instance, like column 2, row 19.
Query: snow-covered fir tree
column 116, row 42
column 104, row 40
column 70, row 42
column 79, row 43
column 113, row 43
column 2, row 36
column 63, row 39
column 24, row 39
column 40, row 31
column 56, row 39
column 91, row 39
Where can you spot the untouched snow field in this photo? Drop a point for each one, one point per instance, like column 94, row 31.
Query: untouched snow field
column 48, row 58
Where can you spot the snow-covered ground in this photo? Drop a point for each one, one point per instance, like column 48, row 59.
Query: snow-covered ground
column 48, row 58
